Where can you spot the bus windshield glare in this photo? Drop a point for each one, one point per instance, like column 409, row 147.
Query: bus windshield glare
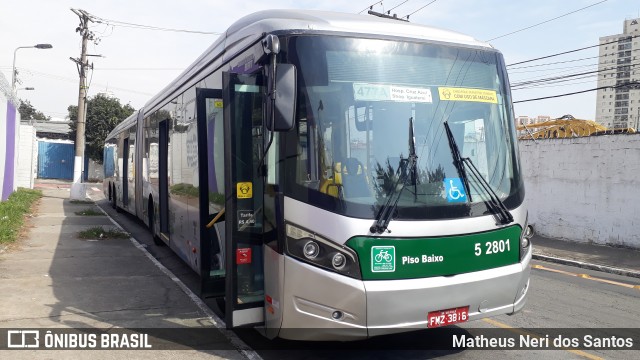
column 356, row 100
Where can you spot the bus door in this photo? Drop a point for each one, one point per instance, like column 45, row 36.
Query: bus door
column 209, row 112
column 244, row 184
column 163, row 178
column 125, row 171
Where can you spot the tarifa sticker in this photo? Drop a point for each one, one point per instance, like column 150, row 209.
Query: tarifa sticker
column 245, row 190
column 466, row 94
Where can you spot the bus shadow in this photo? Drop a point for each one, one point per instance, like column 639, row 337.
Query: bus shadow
column 419, row 344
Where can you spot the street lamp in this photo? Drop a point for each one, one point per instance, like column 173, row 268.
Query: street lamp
column 13, row 77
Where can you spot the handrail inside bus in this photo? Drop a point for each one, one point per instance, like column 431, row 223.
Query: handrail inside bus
column 215, row 219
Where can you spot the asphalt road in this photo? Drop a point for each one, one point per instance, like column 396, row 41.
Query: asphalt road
column 559, row 297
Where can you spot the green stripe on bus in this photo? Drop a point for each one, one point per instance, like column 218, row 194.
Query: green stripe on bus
column 410, row 258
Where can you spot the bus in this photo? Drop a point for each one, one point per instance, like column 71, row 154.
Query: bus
column 334, row 176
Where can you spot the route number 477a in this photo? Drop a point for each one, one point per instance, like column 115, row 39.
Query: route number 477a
column 492, row 247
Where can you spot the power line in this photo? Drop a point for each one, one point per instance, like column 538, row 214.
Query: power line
column 551, row 69
column 370, row 7
column 570, row 83
column 543, row 80
column 546, row 21
column 557, row 62
column 568, row 52
column 141, row 69
column 397, row 6
column 603, row 68
column 407, row 16
column 581, row 92
column 112, row 22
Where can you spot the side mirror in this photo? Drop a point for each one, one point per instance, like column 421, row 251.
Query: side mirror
column 283, row 107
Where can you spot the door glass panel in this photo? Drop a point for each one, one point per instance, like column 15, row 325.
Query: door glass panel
column 246, row 203
column 249, row 184
column 215, row 184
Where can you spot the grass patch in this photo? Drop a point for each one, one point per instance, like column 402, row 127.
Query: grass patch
column 98, row 232
column 81, row 202
column 13, row 210
column 185, row 190
column 89, row 212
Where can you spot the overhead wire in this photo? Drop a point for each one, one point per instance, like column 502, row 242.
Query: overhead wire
column 550, row 79
column 629, row 84
column 546, row 21
column 553, row 63
column 568, row 52
column 397, row 6
column 370, row 6
column 407, row 16
column 112, row 22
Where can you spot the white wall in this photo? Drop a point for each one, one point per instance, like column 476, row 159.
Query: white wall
column 584, row 189
column 27, row 157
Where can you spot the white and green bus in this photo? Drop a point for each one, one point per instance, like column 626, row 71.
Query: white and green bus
column 334, row 176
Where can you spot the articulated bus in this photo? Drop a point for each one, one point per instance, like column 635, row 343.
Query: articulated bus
column 334, row 176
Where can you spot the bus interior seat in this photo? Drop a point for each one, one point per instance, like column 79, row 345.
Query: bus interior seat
column 333, row 185
column 354, row 180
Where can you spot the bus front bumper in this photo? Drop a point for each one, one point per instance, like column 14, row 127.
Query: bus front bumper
column 321, row 305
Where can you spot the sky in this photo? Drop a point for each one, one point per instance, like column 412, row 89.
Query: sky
column 136, row 64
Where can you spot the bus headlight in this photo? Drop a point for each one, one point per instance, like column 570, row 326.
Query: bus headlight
column 338, row 261
column 311, row 250
column 318, row 251
column 525, row 238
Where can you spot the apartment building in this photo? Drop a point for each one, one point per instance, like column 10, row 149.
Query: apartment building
column 618, row 105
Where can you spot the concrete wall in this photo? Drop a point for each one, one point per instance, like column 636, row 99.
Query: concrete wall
column 27, row 157
column 9, row 139
column 584, row 189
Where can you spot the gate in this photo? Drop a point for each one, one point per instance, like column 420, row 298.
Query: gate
column 55, row 160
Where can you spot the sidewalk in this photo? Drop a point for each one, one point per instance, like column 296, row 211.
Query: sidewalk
column 53, row 279
column 609, row 259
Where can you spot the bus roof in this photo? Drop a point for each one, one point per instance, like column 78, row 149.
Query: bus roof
column 250, row 28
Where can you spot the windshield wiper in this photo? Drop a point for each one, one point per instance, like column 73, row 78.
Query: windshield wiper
column 494, row 203
column 386, row 212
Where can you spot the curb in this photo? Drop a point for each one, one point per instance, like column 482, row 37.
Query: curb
column 242, row 348
column 589, row 266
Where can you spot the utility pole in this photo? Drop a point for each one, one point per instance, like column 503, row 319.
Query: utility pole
column 78, row 190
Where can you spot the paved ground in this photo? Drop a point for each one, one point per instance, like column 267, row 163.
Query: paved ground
column 53, row 279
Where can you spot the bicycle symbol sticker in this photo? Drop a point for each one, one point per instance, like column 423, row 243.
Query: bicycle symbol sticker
column 455, row 190
column 383, row 258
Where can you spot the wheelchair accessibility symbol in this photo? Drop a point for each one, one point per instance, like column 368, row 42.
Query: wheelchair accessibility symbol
column 455, row 190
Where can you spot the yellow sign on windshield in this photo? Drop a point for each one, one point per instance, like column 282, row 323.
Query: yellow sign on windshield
column 466, row 94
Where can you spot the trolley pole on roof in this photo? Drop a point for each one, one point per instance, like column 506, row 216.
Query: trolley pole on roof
column 78, row 190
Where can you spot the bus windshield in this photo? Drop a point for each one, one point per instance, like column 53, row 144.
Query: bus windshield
column 356, row 101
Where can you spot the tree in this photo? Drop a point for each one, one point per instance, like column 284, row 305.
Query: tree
column 103, row 114
column 28, row 112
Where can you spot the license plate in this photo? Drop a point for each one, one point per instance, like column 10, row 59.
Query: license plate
column 448, row 317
